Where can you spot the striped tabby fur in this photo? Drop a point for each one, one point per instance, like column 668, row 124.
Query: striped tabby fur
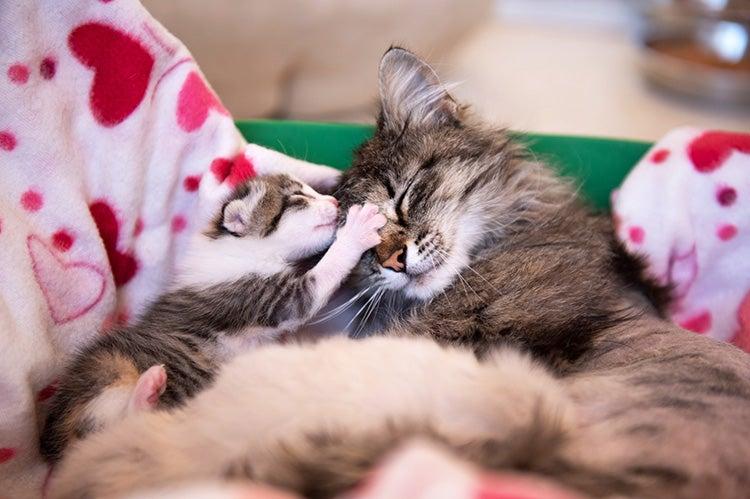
column 514, row 258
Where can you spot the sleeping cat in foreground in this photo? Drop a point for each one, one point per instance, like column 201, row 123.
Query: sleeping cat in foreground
column 484, row 247
column 236, row 287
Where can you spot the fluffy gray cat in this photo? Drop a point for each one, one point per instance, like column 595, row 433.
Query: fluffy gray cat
column 485, row 246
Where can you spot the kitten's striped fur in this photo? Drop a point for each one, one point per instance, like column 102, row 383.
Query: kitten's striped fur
column 272, row 222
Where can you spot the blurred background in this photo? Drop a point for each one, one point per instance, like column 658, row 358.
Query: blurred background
column 619, row 68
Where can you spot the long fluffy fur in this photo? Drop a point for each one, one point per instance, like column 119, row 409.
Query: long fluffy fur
column 524, row 262
column 287, row 416
column 499, row 233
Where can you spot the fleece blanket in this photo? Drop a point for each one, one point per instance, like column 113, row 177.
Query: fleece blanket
column 686, row 208
column 113, row 148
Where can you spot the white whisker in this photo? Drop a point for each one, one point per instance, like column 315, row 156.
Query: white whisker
column 457, row 271
column 363, row 322
column 360, row 310
column 341, row 308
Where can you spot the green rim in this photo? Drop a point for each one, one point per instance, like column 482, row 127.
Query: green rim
column 598, row 164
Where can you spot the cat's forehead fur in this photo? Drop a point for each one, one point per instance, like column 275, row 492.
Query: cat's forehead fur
column 445, row 163
column 266, row 200
column 425, row 137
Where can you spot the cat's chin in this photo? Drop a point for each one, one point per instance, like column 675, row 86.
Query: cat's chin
column 419, row 287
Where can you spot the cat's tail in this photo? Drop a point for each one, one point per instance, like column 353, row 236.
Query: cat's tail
column 333, row 462
column 534, row 423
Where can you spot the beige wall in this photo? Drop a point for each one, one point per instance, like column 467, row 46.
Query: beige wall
column 309, row 58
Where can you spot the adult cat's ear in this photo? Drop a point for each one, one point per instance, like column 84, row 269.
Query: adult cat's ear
column 411, row 93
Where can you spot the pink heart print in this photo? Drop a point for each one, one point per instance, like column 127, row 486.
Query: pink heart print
column 194, row 103
column 71, row 289
column 122, row 69
column 709, row 150
column 234, row 171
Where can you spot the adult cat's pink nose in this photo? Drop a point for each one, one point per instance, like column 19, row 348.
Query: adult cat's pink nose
column 396, row 261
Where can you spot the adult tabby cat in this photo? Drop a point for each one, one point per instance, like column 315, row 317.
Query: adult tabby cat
column 483, row 247
column 486, row 246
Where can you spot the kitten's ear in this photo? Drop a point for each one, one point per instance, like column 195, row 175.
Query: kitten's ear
column 149, row 387
column 237, row 216
column 411, row 92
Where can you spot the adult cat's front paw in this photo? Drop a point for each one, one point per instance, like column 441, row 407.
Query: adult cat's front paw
column 361, row 227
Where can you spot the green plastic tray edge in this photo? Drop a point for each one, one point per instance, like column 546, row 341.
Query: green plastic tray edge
column 597, row 164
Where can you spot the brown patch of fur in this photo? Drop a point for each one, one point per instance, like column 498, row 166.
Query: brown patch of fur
column 119, row 368
column 68, row 420
column 325, row 464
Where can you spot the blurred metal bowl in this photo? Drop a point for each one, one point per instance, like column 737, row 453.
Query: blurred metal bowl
column 698, row 48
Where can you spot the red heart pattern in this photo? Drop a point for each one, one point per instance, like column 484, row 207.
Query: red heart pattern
column 682, row 271
column 194, row 103
column 699, row 323
column 709, row 150
column 7, row 453
column 234, row 171
column 122, row 69
column 71, row 289
column 123, row 264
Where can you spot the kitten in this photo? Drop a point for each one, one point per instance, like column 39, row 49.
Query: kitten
column 275, row 411
column 236, row 287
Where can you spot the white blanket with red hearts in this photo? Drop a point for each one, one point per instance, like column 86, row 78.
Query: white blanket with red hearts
column 686, row 209
column 112, row 150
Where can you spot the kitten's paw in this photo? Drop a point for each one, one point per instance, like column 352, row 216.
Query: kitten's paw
column 361, row 227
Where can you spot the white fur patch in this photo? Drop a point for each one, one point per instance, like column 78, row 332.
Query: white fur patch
column 214, row 261
column 110, row 405
column 229, row 346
